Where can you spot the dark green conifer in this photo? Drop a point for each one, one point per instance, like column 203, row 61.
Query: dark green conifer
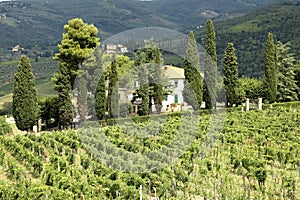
column 193, row 87
column 271, row 70
column 25, row 110
column 210, row 68
column 230, row 75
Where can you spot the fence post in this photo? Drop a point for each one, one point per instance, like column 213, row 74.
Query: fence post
column 260, row 103
column 141, row 192
column 247, row 104
column 167, row 193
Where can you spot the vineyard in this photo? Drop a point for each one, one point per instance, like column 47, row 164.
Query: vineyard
column 255, row 155
column 43, row 70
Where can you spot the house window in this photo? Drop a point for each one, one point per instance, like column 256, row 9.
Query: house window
column 176, row 98
column 176, row 83
column 166, row 97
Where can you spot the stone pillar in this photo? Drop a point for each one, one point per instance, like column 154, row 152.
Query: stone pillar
column 260, row 103
column 35, row 128
column 247, row 104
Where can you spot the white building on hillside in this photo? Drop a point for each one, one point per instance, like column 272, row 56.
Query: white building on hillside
column 175, row 75
column 115, row 48
column 174, row 101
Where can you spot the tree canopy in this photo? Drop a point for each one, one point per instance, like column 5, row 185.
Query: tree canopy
column 25, row 109
column 77, row 44
column 230, row 74
column 210, row 68
column 287, row 85
column 193, row 88
column 271, row 70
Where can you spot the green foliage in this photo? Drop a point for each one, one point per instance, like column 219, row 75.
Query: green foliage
column 125, row 109
column 194, row 81
column 100, row 98
column 118, row 76
column 82, row 97
column 287, row 84
column 63, row 87
column 230, row 75
column 271, row 70
column 143, row 91
column 7, row 108
column 252, row 87
column 43, row 69
column 36, row 25
column 4, row 127
column 49, row 110
column 25, row 110
column 125, row 71
column 210, row 42
column 256, row 152
column 92, row 70
column 240, row 94
column 248, row 33
column 297, row 73
column 113, row 105
column 148, row 66
column 77, row 44
column 158, row 92
column 210, row 68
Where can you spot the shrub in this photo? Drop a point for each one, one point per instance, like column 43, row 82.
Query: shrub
column 125, row 109
column 4, row 127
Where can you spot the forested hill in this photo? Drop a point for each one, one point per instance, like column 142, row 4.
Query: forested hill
column 35, row 23
column 249, row 35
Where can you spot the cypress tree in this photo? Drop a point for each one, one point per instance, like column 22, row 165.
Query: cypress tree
column 77, row 44
column 193, row 89
column 158, row 87
column 145, row 60
column 230, row 75
column 62, row 86
column 25, row 110
column 151, row 56
column 210, row 68
column 100, row 93
column 100, row 98
column 297, row 75
column 143, row 90
column 82, row 97
column 271, row 70
column 113, row 93
column 287, row 86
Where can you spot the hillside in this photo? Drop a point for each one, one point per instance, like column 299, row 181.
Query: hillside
column 249, row 35
column 255, row 156
column 190, row 13
column 38, row 25
column 42, row 68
